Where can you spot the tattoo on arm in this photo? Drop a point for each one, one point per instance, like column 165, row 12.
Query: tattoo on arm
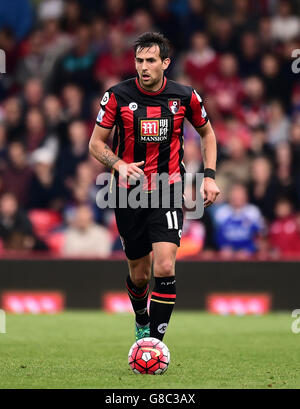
column 107, row 157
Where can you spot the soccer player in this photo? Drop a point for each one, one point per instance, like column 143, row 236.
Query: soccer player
column 148, row 112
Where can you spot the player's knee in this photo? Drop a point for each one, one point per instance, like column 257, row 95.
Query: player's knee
column 164, row 269
column 140, row 282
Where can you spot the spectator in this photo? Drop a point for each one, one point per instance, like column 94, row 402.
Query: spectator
column 46, row 190
column 285, row 25
column 258, row 140
column 166, row 21
column 223, row 39
column 50, row 9
column 238, row 223
column 225, row 86
column 200, row 61
column 278, row 125
column 3, row 145
column 115, row 12
column 140, row 22
column 56, row 42
column 118, row 61
column 35, row 62
column 72, row 97
column 13, row 119
column 295, row 149
column 18, row 174
column 254, row 109
column 15, row 228
column 192, row 157
column 286, row 184
column 84, row 174
column 272, row 78
column 17, row 15
column 83, row 191
column 242, row 17
column 85, row 238
column 99, row 35
column 194, row 18
column 265, row 33
column 249, row 55
column 75, row 153
column 72, row 16
column 295, row 104
column 54, row 118
column 33, row 93
column 35, row 129
column 236, row 168
column 288, row 78
column 77, row 65
column 230, row 128
column 262, row 188
column 284, row 232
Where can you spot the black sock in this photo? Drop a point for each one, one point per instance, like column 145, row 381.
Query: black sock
column 161, row 305
column 139, row 299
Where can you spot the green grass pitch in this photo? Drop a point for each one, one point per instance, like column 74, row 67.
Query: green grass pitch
column 89, row 350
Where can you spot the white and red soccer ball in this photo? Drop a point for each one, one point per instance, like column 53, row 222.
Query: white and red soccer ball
column 149, row 356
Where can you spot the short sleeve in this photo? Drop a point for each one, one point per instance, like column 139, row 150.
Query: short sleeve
column 107, row 114
column 196, row 113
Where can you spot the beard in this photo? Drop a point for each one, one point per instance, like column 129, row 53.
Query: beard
column 151, row 83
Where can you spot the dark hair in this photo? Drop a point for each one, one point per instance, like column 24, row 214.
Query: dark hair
column 149, row 39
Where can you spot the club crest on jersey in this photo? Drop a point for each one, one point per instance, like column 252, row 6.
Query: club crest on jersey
column 174, row 105
column 154, row 129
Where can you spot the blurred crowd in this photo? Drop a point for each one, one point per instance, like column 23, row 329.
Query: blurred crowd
column 61, row 55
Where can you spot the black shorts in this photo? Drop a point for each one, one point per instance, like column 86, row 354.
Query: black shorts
column 141, row 227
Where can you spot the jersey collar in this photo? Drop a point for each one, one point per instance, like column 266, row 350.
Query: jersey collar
column 151, row 92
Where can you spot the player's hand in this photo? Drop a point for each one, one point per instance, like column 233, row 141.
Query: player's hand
column 209, row 191
column 131, row 171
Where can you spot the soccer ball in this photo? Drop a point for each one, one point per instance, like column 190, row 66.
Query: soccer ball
column 149, row 356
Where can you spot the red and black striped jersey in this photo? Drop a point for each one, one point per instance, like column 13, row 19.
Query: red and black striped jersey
column 149, row 125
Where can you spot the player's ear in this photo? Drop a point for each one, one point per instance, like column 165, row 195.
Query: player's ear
column 166, row 63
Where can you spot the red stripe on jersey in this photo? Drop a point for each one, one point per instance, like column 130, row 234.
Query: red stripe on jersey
column 164, row 295
column 152, row 151
column 129, row 140
column 110, row 109
column 197, row 118
column 174, row 165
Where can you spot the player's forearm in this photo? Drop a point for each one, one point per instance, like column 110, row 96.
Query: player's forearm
column 102, row 152
column 209, row 150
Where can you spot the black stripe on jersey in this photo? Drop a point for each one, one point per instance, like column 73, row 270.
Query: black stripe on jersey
column 165, row 148
column 120, row 139
column 115, row 139
column 121, row 133
column 181, row 152
column 140, row 149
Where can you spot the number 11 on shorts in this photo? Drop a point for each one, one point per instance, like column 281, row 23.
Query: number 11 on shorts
column 170, row 220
